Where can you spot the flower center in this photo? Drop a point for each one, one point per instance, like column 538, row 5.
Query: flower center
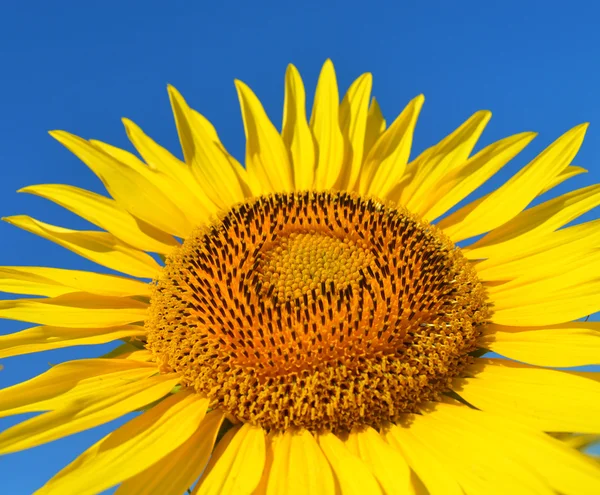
column 323, row 311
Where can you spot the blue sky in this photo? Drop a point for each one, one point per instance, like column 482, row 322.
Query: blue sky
column 81, row 66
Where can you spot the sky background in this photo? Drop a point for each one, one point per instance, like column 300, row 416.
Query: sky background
column 81, row 66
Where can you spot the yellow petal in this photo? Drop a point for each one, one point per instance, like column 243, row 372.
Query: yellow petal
column 353, row 476
column 353, row 123
column 77, row 309
column 43, row 281
column 100, row 247
column 219, row 174
column 440, row 162
column 542, row 219
column 424, row 458
column 93, row 410
column 510, row 455
column 179, row 470
column 325, row 126
column 144, row 192
column 387, row 464
column 266, row 154
column 45, row 338
column 106, row 214
column 191, row 197
column 474, row 172
column 566, row 345
column 511, row 198
column 64, row 383
column 237, row 466
column 567, row 173
column 564, row 306
column 386, row 162
column 295, row 131
column 132, row 448
column 547, row 400
column 375, row 127
column 299, row 466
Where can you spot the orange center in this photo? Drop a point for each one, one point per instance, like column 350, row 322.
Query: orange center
column 318, row 310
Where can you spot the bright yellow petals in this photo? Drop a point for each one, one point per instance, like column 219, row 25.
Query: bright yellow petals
column 298, row 466
column 178, row 471
column 539, row 220
column 100, row 247
column 422, row 455
column 145, row 193
column 45, row 338
column 353, row 123
column 237, row 463
column 374, row 128
column 352, row 474
column 63, row 384
column 325, row 126
column 86, row 412
column 77, row 309
column 107, row 214
column 387, row 464
column 548, row 400
column 296, row 133
column 566, row 345
column 219, row 174
column 132, row 448
column 43, row 281
column 507, row 201
column 567, row 173
column 473, row 173
column 433, row 166
column 385, row 164
column 266, row 154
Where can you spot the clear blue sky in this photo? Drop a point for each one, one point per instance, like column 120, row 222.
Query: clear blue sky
column 80, row 66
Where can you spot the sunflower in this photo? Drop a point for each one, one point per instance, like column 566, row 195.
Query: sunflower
column 316, row 321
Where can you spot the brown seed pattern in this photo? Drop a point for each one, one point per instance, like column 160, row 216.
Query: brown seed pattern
column 323, row 311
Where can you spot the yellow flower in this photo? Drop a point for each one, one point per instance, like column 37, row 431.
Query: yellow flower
column 315, row 328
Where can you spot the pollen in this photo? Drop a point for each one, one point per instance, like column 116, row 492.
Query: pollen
column 325, row 311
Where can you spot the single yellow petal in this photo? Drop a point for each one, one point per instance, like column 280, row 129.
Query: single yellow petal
column 179, row 470
column 236, row 468
column 439, row 163
column 107, row 214
column 542, row 219
column 77, row 309
column 219, row 174
column 548, row 400
column 352, row 474
column 423, row 457
column 44, row 281
column 324, row 122
column 266, row 154
column 145, row 193
column 567, row 345
column 93, row 410
column 295, row 131
column 385, row 164
column 386, row 463
column 299, row 466
column 508, row 454
column 100, row 247
column 45, row 338
column 132, row 448
column 511, row 198
column 374, row 128
column 353, row 123
column 473, row 172
column 567, row 173
column 65, row 383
